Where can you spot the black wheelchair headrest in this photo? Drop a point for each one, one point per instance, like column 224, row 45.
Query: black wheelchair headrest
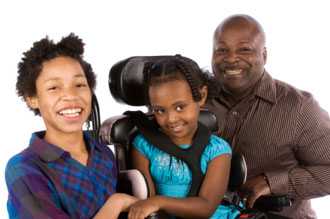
column 127, row 79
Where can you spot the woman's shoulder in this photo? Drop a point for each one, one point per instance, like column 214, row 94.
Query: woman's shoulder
column 21, row 164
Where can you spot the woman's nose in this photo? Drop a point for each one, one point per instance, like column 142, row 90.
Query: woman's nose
column 69, row 93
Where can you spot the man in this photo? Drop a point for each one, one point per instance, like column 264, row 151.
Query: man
column 282, row 132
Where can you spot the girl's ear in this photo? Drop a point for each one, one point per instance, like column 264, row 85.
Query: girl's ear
column 203, row 92
column 32, row 102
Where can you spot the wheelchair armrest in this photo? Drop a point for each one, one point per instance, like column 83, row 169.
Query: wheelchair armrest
column 272, row 202
column 238, row 172
column 133, row 182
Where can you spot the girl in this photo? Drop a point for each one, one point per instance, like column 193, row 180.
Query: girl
column 64, row 172
column 177, row 89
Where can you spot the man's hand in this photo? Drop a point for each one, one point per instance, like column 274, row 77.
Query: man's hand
column 253, row 189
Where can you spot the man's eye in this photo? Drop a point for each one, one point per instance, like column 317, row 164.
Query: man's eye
column 245, row 50
column 221, row 50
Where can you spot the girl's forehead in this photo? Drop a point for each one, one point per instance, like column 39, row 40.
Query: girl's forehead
column 170, row 91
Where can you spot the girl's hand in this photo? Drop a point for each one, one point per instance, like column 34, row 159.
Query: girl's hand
column 115, row 204
column 143, row 208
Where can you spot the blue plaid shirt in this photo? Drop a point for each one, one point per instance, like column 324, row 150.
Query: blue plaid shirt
column 45, row 182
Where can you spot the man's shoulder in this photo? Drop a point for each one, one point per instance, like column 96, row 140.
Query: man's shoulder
column 289, row 93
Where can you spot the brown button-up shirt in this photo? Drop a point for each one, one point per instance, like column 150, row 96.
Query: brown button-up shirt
column 284, row 134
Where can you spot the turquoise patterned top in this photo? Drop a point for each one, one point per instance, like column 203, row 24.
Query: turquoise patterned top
column 172, row 177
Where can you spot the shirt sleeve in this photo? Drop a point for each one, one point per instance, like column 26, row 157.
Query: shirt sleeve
column 30, row 194
column 216, row 147
column 311, row 177
column 142, row 145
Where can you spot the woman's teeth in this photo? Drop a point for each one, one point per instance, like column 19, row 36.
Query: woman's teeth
column 70, row 112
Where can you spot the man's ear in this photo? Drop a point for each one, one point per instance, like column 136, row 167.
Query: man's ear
column 32, row 102
column 203, row 92
column 264, row 53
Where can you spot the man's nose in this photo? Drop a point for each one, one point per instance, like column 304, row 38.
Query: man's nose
column 231, row 57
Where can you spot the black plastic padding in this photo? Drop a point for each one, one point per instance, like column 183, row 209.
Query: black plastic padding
column 116, row 130
column 238, row 172
column 127, row 80
column 272, row 202
column 208, row 119
column 122, row 131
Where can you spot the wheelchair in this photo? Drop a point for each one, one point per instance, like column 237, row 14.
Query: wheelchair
column 127, row 85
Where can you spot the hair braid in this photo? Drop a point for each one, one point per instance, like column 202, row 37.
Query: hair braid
column 186, row 71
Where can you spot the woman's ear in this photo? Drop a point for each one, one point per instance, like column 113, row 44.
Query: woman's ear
column 32, row 102
column 203, row 92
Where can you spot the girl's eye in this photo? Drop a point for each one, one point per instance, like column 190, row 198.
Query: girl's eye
column 158, row 111
column 179, row 108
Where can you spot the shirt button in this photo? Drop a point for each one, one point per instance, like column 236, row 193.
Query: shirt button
column 235, row 113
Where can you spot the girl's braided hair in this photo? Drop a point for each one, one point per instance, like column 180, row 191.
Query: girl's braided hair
column 170, row 68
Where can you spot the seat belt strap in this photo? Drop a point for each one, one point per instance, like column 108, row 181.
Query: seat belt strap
column 191, row 156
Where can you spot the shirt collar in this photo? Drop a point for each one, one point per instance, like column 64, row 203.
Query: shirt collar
column 266, row 88
column 49, row 152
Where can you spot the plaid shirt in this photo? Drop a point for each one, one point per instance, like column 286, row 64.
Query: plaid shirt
column 45, row 182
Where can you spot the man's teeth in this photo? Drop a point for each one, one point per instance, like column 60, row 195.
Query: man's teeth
column 233, row 72
column 70, row 112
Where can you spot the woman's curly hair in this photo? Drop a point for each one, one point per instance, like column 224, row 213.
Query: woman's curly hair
column 30, row 67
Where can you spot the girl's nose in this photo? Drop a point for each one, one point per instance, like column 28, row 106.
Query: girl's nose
column 172, row 117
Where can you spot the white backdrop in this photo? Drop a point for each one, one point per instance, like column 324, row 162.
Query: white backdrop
column 297, row 40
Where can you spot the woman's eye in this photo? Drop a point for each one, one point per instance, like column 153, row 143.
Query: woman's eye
column 52, row 88
column 81, row 85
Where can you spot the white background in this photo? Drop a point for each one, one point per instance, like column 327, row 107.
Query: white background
column 297, row 40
